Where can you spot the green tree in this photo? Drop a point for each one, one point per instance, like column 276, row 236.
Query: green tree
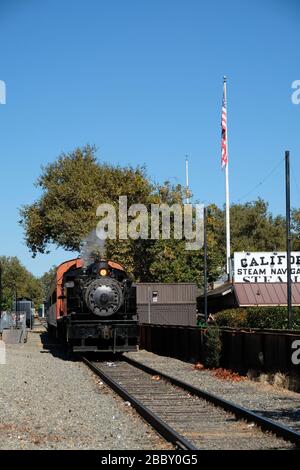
column 46, row 281
column 171, row 262
column 295, row 229
column 75, row 184
column 253, row 228
column 17, row 281
column 72, row 189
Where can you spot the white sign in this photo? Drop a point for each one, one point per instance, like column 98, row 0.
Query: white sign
column 265, row 267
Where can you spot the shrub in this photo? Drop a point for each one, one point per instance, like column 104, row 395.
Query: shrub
column 213, row 346
column 234, row 318
column 258, row 317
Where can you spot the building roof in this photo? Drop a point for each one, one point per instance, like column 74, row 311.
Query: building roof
column 273, row 293
column 221, row 291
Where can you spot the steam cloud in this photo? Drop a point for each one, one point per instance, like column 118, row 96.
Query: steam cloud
column 93, row 246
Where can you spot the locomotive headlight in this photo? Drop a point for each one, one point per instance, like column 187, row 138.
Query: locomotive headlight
column 103, row 272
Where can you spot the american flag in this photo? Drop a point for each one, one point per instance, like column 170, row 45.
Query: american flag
column 224, row 156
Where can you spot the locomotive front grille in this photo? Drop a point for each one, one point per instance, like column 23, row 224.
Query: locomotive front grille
column 102, row 337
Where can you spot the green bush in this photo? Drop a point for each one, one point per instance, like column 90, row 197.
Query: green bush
column 258, row 317
column 213, row 346
column 232, row 317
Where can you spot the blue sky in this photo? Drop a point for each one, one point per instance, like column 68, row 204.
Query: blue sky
column 142, row 80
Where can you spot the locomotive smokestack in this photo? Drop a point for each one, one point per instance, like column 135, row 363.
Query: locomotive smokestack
column 93, row 248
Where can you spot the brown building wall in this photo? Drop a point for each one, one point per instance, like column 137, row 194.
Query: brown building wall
column 180, row 314
column 168, row 293
column 169, row 303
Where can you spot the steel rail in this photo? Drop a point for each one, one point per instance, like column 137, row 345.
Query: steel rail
column 239, row 411
column 159, row 425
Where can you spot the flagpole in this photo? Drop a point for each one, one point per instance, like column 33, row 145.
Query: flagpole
column 227, row 203
column 187, row 180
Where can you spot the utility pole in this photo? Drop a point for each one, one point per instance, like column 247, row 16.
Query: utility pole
column 205, row 264
column 288, row 237
column 149, row 305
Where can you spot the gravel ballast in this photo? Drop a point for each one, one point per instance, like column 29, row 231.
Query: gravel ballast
column 274, row 403
column 48, row 402
column 207, row 426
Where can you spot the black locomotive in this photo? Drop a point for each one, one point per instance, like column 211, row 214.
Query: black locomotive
column 93, row 308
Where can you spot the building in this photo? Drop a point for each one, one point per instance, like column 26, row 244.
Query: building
column 167, row 303
column 259, row 279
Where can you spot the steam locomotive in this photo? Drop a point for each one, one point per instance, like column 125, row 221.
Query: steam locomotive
column 93, row 308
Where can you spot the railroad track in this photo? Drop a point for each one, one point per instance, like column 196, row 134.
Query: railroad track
column 189, row 417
